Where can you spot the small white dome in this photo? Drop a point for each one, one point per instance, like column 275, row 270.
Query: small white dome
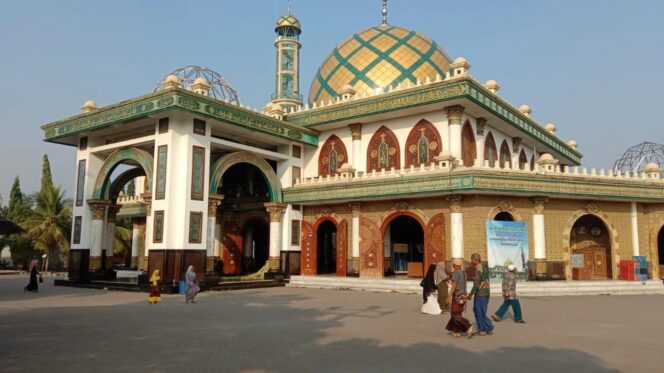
column 90, row 104
column 201, row 81
column 651, row 167
column 172, row 79
column 525, row 109
column 491, row 84
column 550, row 127
column 572, row 143
column 546, row 157
column 460, row 60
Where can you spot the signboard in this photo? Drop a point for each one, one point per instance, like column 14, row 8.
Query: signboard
column 578, row 261
column 507, row 243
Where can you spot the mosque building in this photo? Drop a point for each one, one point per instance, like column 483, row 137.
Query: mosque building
column 395, row 160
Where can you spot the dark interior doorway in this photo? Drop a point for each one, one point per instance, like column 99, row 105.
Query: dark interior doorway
column 327, row 248
column 404, row 240
column 504, row 216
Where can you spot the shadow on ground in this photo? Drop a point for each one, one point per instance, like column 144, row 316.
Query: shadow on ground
column 251, row 331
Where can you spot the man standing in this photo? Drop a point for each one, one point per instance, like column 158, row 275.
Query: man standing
column 509, row 296
column 481, row 291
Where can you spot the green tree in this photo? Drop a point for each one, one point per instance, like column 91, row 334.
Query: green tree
column 131, row 187
column 122, row 238
column 46, row 178
column 17, row 211
column 49, row 225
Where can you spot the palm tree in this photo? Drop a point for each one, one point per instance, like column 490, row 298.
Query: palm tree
column 122, row 242
column 49, row 224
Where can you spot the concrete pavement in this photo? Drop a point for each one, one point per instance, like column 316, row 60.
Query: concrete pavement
column 303, row 330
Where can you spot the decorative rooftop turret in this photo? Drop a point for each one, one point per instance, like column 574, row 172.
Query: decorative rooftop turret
column 525, row 110
column 89, row 106
column 551, row 128
column 201, row 86
column 287, row 43
column 492, row 86
column 171, row 81
column 460, row 67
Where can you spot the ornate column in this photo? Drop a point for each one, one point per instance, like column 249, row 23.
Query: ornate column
column 516, row 151
column 135, row 241
column 456, row 226
column 355, row 238
column 635, row 230
column 214, row 200
column 356, row 134
column 479, row 140
column 97, row 227
column 147, row 199
column 539, row 236
column 276, row 210
column 110, row 233
column 454, row 114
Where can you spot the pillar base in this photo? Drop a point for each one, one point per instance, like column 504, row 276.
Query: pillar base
column 274, row 269
column 95, row 263
column 353, row 265
column 134, row 261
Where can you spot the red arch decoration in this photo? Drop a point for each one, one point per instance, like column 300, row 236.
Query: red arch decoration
column 490, row 152
column 468, row 146
column 505, row 155
column 327, row 165
column 415, row 155
column 391, row 159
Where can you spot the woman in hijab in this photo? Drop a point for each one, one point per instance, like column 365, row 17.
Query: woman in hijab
column 155, row 293
column 457, row 298
column 428, row 285
column 192, row 285
column 442, row 279
column 33, row 285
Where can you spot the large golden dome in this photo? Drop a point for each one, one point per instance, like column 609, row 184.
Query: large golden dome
column 377, row 58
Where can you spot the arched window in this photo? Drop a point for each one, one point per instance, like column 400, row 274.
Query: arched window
column 332, row 155
column 490, row 153
column 468, row 147
column 523, row 160
column 383, row 151
column 423, row 144
column 505, row 155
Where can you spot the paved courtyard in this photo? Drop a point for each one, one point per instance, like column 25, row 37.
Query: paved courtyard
column 305, row 330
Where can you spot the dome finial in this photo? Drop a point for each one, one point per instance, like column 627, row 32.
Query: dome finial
column 289, row 7
column 384, row 22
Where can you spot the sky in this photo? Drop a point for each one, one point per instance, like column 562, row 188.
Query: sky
column 592, row 67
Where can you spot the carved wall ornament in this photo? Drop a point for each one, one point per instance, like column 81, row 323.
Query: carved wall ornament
column 275, row 210
column 504, row 206
column 538, row 204
column 481, row 124
column 455, row 203
column 422, row 144
column 356, row 131
column 454, row 114
column 592, row 208
column 404, row 206
column 98, row 208
column 332, row 156
column 383, row 151
column 355, row 209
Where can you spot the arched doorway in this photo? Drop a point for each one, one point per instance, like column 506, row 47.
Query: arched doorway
column 590, row 247
column 326, row 246
column 256, row 244
column 490, row 153
column 660, row 251
column 403, row 245
column 245, row 191
column 503, row 216
column 468, row 147
column 505, row 155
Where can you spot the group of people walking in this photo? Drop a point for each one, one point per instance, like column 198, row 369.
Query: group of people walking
column 452, row 296
column 191, row 286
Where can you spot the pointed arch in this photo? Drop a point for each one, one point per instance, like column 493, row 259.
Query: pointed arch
column 505, row 155
column 423, row 144
column 131, row 156
column 468, row 146
column 532, row 162
column 383, row 151
column 222, row 164
column 523, row 160
column 490, row 152
column 332, row 155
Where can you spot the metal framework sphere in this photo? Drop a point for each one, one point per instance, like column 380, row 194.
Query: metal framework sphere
column 637, row 157
column 221, row 88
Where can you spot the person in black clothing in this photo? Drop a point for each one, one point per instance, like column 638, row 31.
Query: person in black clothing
column 428, row 283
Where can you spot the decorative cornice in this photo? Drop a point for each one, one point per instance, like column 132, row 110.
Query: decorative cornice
column 469, row 181
column 154, row 103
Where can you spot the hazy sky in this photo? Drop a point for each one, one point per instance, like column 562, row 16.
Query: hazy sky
column 594, row 68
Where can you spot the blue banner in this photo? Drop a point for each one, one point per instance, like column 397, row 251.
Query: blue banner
column 507, row 243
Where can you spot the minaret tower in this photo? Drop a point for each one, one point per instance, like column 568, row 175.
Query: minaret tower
column 287, row 90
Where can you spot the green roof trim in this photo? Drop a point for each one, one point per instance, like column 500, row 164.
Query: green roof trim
column 157, row 102
column 478, row 181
